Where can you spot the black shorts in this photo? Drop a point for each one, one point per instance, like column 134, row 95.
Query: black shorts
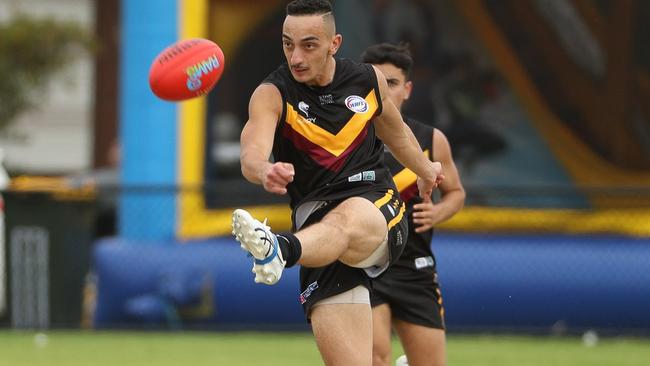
column 413, row 295
column 320, row 283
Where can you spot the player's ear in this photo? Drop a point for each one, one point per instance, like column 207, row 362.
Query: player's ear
column 408, row 88
column 335, row 44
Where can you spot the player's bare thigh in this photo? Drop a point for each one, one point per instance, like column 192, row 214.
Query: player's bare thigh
column 364, row 226
column 343, row 333
column 423, row 345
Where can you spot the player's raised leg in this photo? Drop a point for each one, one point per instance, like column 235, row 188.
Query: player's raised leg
column 349, row 233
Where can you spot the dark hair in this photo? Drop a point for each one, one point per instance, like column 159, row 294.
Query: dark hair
column 309, row 7
column 386, row 53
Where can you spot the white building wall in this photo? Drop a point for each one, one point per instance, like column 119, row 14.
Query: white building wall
column 55, row 138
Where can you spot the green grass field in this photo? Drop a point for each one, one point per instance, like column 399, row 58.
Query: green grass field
column 76, row 348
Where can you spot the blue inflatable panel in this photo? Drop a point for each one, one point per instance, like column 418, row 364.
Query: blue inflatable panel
column 126, row 273
column 488, row 281
column 529, row 282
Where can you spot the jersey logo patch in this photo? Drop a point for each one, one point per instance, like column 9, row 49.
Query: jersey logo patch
column 304, row 108
column 369, row 175
column 326, row 99
column 356, row 104
column 355, row 178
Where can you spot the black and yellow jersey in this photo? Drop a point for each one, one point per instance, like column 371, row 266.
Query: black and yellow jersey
column 418, row 244
column 328, row 135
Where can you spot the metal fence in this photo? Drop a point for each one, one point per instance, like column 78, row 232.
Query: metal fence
column 514, row 257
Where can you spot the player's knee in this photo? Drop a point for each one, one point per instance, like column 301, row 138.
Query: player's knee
column 381, row 350
column 380, row 357
column 367, row 225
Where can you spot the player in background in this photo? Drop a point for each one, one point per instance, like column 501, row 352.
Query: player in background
column 407, row 296
column 322, row 118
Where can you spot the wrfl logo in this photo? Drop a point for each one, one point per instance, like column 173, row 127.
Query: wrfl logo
column 356, row 104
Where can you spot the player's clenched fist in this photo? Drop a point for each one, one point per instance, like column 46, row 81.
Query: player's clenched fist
column 275, row 177
column 426, row 186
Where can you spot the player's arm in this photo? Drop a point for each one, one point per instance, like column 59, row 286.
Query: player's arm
column 427, row 214
column 264, row 111
column 399, row 138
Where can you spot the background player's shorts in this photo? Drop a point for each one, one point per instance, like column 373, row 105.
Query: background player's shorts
column 413, row 295
column 323, row 282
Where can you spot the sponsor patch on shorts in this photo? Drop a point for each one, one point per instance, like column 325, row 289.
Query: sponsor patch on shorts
column 423, row 262
column 310, row 289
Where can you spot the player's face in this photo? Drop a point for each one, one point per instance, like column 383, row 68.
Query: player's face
column 309, row 42
column 399, row 90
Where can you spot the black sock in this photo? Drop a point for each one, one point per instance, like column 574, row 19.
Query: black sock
column 290, row 248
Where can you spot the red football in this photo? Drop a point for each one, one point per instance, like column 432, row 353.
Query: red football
column 186, row 69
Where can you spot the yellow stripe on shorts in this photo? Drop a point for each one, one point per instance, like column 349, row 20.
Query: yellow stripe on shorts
column 397, row 218
column 384, row 200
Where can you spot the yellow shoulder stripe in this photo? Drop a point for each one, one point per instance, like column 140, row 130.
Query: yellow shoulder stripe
column 335, row 144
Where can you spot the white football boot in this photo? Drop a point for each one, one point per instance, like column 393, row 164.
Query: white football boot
column 257, row 239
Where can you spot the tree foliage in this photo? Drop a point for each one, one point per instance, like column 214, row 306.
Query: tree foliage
column 31, row 52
